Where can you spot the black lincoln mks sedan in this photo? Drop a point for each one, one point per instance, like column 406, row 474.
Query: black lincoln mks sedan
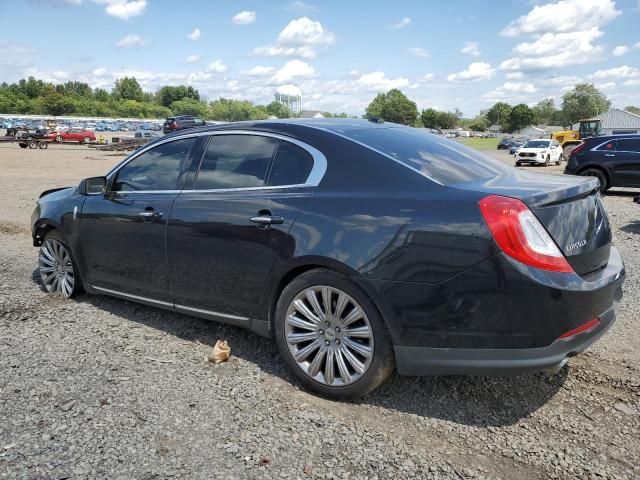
column 360, row 247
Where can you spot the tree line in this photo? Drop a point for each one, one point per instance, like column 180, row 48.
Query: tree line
column 127, row 99
column 583, row 101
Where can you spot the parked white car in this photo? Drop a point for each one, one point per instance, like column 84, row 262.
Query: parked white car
column 540, row 151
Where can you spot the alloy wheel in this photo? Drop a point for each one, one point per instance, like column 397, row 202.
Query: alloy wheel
column 56, row 268
column 329, row 336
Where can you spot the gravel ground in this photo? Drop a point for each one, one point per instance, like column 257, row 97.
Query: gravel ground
column 102, row 388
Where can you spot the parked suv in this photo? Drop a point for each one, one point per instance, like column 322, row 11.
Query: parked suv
column 181, row 122
column 614, row 160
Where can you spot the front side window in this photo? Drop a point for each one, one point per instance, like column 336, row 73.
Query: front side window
column 235, row 161
column 155, row 169
column 291, row 166
column 628, row 145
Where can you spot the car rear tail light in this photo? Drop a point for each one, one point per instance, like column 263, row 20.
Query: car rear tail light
column 578, row 149
column 585, row 327
column 520, row 235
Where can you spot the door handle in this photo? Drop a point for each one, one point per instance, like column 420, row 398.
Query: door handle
column 266, row 220
column 149, row 215
column 609, row 155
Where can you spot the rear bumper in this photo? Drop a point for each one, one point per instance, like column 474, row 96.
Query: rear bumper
column 468, row 361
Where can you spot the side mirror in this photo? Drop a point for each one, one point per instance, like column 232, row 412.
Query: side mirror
column 93, row 186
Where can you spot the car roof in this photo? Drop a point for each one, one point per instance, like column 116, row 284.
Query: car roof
column 539, row 140
column 604, row 138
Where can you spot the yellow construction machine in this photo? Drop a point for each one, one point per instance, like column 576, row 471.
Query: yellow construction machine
column 570, row 139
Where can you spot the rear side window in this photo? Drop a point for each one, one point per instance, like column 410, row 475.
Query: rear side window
column 447, row 162
column 291, row 166
column 235, row 161
column 628, row 145
column 608, row 146
column 155, row 169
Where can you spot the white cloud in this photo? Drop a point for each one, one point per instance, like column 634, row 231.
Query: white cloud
column 377, row 82
column 511, row 90
column 131, row 41
column 123, row 9
column 624, row 71
column 475, row 71
column 301, row 37
column 193, row 58
column 555, row 50
column 428, row 77
column 259, row 71
column 216, row 67
column 293, row 69
column 404, row 22
column 637, row 45
column 606, row 86
column 471, row 48
column 620, row 50
column 195, row 34
column 563, row 16
column 418, row 52
column 514, row 76
column 244, row 18
column 99, row 72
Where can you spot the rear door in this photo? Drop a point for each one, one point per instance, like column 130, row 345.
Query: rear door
column 626, row 163
column 227, row 231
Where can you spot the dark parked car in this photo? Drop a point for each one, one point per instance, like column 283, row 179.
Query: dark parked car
column 515, row 146
column 173, row 124
column 614, row 160
column 358, row 246
column 505, row 144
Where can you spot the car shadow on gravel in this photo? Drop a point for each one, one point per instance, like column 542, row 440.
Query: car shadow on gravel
column 474, row 401
column 633, row 227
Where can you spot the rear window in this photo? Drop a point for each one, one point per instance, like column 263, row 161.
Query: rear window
column 447, row 162
column 537, row 144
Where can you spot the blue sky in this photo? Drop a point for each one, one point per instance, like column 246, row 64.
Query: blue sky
column 463, row 54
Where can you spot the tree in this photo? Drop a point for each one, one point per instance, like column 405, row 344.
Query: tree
column 168, row 94
column 189, row 106
column 499, row 113
column 393, row 106
column 429, row 117
column 448, row 120
column 521, row 116
column 127, row 88
column 479, row 124
column 277, row 109
column 633, row 109
column 584, row 101
column 545, row 111
column 101, row 94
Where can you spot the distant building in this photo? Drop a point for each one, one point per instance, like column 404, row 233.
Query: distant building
column 539, row 131
column 495, row 128
column 311, row 114
column 617, row 122
column 290, row 96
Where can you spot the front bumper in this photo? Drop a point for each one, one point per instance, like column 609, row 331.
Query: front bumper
column 504, row 361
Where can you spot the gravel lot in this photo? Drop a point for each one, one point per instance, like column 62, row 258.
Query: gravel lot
column 101, row 388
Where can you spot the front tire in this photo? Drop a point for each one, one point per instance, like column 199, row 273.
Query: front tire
column 57, row 268
column 331, row 335
column 59, row 139
column 560, row 159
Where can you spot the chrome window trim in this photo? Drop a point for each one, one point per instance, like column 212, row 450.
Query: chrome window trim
column 168, row 304
column 313, row 179
column 614, row 140
column 134, row 297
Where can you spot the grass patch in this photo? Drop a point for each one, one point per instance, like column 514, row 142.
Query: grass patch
column 480, row 143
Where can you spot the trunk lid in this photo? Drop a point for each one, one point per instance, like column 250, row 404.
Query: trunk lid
column 570, row 208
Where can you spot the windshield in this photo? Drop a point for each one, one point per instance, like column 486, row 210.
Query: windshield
column 445, row 161
column 537, row 144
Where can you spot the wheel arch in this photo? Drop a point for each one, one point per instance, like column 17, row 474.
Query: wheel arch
column 42, row 227
column 596, row 166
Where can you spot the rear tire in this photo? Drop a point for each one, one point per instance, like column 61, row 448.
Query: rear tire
column 599, row 174
column 33, row 144
column 43, row 145
column 360, row 355
column 86, row 140
column 59, row 138
column 559, row 161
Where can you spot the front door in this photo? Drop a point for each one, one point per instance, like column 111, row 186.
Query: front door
column 227, row 232
column 123, row 232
